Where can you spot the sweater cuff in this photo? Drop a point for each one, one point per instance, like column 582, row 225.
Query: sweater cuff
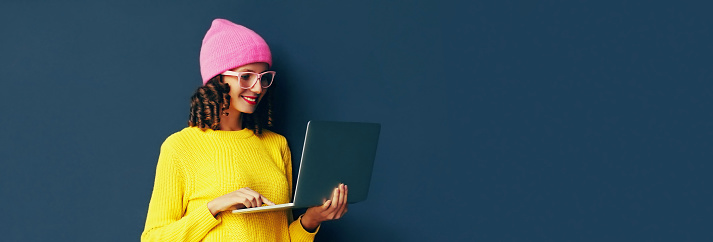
column 206, row 221
column 298, row 233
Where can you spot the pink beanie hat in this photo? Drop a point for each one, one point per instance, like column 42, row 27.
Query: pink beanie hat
column 227, row 45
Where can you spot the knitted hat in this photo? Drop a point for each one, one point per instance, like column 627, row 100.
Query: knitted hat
column 227, row 45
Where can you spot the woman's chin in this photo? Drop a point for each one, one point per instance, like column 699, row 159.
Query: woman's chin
column 246, row 110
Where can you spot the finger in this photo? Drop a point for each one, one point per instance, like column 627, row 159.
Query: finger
column 339, row 213
column 335, row 196
column 247, row 199
column 335, row 202
column 256, row 197
column 267, row 201
column 340, row 204
column 342, row 201
column 326, row 205
column 346, row 194
column 343, row 208
column 242, row 198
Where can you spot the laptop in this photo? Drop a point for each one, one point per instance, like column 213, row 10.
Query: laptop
column 333, row 153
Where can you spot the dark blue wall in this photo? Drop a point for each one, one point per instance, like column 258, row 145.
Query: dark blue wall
column 503, row 121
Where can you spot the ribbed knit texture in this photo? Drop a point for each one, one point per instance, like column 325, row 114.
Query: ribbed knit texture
column 197, row 166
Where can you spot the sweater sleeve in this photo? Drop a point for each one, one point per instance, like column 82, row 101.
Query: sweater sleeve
column 297, row 232
column 166, row 220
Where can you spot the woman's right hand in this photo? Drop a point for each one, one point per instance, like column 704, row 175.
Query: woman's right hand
column 242, row 198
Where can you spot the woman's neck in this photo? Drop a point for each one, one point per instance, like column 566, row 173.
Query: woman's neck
column 232, row 121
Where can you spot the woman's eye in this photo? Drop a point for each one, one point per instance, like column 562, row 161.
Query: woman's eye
column 245, row 77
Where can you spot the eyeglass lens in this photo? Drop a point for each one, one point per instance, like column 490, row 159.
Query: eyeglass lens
column 248, row 79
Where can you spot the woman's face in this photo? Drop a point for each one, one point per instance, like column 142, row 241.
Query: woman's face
column 245, row 100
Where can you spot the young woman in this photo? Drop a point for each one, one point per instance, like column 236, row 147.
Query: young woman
column 226, row 159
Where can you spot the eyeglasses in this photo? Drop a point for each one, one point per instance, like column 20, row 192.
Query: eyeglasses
column 248, row 79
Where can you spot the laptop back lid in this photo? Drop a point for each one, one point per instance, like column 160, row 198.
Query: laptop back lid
column 333, row 153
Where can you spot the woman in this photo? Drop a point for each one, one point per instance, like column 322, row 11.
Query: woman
column 226, row 159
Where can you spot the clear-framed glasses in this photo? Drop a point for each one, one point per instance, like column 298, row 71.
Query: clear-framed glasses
column 248, row 79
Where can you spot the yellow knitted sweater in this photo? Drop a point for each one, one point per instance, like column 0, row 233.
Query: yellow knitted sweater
column 196, row 166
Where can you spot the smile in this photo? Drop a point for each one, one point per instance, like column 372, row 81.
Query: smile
column 250, row 100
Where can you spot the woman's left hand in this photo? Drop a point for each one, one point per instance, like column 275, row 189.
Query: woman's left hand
column 330, row 210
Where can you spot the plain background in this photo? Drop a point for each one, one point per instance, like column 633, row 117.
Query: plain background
column 502, row 120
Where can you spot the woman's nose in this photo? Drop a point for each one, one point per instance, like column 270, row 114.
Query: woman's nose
column 256, row 88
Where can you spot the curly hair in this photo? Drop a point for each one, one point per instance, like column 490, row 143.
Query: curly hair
column 211, row 100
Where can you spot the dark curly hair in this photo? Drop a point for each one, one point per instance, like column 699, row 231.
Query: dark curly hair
column 211, row 100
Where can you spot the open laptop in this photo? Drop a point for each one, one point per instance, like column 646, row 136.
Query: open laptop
column 333, row 153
